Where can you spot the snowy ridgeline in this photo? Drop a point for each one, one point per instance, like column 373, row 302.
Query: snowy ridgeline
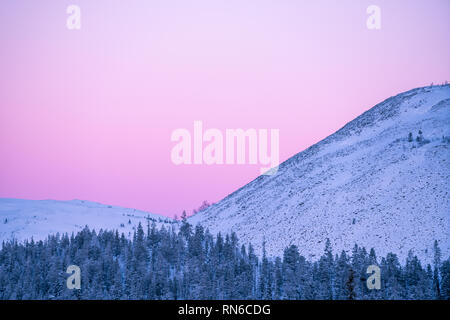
column 37, row 219
column 382, row 181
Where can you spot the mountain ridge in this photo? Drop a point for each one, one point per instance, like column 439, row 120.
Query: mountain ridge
column 369, row 183
column 337, row 160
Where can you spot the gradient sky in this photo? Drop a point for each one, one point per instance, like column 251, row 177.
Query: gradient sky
column 88, row 114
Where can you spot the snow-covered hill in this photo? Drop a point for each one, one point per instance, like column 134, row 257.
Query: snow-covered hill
column 367, row 184
column 23, row 219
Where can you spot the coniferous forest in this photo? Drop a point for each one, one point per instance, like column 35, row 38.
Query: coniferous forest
column 191, row 263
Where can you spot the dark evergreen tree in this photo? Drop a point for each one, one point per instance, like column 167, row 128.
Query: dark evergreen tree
column 445, row 283
column 350, row 285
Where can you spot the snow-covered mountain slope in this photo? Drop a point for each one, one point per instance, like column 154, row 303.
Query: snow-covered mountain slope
column 23, row 219
column 365, row 184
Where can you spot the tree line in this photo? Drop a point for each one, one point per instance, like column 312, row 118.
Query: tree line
column 191, row 263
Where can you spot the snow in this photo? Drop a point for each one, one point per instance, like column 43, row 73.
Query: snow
column 23, row 219
column 364, row 184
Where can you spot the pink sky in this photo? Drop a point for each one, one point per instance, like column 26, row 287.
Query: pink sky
column 88, row 114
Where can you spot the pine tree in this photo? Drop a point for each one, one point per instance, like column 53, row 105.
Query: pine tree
column 185, row 228
column 341, row 274
column 350, row 285
column 437, row 265
column 445, row 284
column 410, row 137
column 291, row 258
column 326, row 274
